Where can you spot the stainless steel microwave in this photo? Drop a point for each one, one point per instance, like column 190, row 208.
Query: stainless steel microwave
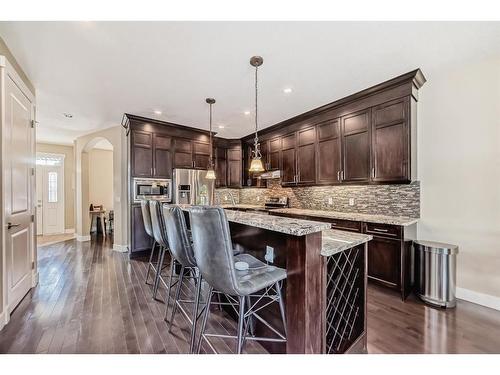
column 152, row 188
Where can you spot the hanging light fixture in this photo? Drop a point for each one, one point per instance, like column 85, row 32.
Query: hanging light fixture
column 210, row 170
column 256, row 164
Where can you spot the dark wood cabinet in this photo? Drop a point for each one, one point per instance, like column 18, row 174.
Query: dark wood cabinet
column 274, row 154
column 142, row 154
column 140, row 240
column 289, row 159
column 220, row 167
column 356, row 146
column 234, row 166
column 183, row 153
column 384, row 261
column 329, row 152
column 201, row 155
column 390, row 142
column 162, row 156
column 306, row 156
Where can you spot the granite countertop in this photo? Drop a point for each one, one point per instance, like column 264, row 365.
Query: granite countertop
column 334, row 241
column 244, row 206
column 294, row 227
column 377, row 219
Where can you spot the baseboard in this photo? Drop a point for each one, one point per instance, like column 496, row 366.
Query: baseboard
column 69, row 230
column 120, row 248
column 478, row 298
column 82, row 238
column 34, row 278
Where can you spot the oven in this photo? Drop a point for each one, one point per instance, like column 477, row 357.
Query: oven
column 152, row 188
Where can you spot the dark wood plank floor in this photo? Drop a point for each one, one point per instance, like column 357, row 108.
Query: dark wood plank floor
column 91, row 299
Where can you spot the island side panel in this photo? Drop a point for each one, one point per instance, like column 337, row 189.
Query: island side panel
column 305, row 294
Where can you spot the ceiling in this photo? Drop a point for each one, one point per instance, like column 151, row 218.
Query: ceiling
column 96, row 71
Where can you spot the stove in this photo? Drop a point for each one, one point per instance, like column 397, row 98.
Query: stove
column 276, row 202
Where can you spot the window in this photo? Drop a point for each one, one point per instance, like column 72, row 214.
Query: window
column 50, row 160
column 52, row 188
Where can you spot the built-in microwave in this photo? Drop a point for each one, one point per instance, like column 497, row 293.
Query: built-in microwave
column 152, row 188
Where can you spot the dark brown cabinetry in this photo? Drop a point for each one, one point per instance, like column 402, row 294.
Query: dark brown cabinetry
column 220, row 167
column 289, row 160
column 191, row 154
column 140, row 240
column 234, row 166
column 306, row 156
column 274, row 154
column 356, row 146
column 151, row 155
column 329, row 162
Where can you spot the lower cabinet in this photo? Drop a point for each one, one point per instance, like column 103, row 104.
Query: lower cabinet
column 384, row 256
column 140, row 240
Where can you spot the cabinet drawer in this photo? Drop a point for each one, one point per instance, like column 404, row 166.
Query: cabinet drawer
column 353, row 226
column 385, row 230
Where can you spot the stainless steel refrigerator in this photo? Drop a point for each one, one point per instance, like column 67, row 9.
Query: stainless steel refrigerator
column 191, row 187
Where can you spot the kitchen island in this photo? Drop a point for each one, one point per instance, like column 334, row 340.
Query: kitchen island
column 325, row 289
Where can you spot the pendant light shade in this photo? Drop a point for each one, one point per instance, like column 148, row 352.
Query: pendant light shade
column 256, row 165
column 210, row 170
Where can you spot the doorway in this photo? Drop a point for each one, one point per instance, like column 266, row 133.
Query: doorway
column 50, row 193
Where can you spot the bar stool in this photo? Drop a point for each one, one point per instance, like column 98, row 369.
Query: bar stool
column 146, row 218
column 213, row 252
column 182, row 251
column 160, row 236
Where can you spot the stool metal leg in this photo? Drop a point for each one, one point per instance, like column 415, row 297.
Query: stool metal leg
column 195, row 313
column 177, row 295
column 282, row 305
column 158, row 271
column 169, row 290
column 205, row 317
column 150, row 260
column 241, row 320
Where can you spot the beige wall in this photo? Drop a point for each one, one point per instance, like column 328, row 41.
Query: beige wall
column 459, row 168
column 101, row 178
column 4, row 50
column 69, row 179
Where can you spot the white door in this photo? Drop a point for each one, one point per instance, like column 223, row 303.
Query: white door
column 39, row 200
column 18, row 167
column 53, row 200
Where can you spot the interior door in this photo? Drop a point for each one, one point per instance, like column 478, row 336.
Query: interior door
column 39, row 201
column 53, row 200
column 19, row 162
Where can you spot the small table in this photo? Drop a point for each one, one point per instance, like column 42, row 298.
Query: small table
column 100, row 214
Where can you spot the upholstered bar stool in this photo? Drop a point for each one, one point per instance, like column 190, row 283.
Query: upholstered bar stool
column 160, row 236
column 213, row 252
column 146, row 218
column 182, row 251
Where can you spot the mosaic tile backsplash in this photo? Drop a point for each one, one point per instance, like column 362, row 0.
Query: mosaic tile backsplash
column 392, row 200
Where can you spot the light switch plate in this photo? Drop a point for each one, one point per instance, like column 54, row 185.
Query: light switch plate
column 330, row 201
column 351, row 201
column 269, row 257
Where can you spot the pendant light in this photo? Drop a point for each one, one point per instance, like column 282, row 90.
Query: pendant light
column 256, row 164
column 210, row 171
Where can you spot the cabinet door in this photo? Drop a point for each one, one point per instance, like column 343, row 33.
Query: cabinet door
column 390, row 142
column 356, row 146
column 384, row 261
column 288, row 159
column 201, row 155
column 234, row 166
column 220, row 167
column 264, row 150
column 183, row 153
column 142, row 154
column 140, row 239
column 329, row 152
column 162, row 167
column 274, row 154
column 306, row 156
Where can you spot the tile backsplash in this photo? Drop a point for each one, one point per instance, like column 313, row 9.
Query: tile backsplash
column 393, row 200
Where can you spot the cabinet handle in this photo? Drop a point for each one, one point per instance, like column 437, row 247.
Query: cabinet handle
column 338, row 175
column 380, row 230
column 151, row 171
column 373, row 172
column 154, row 171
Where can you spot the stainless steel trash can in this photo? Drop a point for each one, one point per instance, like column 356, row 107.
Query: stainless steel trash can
column 436, row 272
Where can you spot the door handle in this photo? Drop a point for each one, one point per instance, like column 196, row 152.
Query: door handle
column 10, row 225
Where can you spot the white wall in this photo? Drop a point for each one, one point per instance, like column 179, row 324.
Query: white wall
column 101, row 178
column 459, row 169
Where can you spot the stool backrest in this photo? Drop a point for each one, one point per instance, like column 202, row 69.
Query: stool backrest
column 146, row 217
column 213, row 248
column 178, row 237
column 158, row 224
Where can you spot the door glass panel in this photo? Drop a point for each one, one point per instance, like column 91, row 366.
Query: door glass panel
column 52, row 188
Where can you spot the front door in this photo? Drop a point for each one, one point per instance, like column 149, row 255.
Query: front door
column 18, row 168
column 53, row 200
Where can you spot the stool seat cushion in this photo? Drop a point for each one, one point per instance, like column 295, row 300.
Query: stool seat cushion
column 258, row 276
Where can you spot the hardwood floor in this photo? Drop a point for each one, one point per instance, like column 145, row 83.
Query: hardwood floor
column 91, row 299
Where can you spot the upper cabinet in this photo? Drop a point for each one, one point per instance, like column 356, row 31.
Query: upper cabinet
column 391, row 141
column 329, row 152
column 234, row 166
column 289, row 159
column 306, row 156
column 356, row 146
column 151, row 155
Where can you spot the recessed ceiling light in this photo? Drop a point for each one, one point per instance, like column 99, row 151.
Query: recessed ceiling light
column 221, row 126
column 246, row 113
column 287, row 90
column 68, row 115
column 157, row 112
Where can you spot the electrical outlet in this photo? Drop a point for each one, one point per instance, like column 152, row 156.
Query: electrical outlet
column 258, row 199
column 269, row 257
column 351, row 201
column 225, row 197
column 330, row 201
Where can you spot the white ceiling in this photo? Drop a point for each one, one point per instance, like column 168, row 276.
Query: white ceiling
column 98, row 70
